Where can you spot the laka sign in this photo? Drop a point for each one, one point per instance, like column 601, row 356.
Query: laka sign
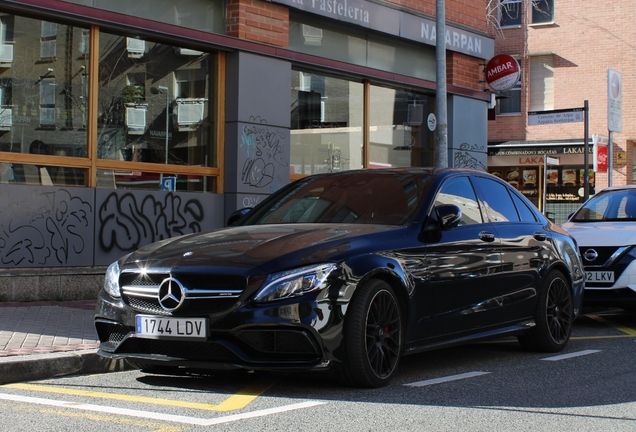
column 502, row 72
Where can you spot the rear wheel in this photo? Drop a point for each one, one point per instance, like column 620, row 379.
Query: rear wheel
column 553, row 316
column 373, row 336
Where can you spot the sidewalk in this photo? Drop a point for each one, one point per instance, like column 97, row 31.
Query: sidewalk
column 41, row 340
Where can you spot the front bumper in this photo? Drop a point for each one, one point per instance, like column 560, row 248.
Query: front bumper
column 287, row 335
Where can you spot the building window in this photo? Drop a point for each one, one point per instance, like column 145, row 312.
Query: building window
column 510, row 102
column 542, row 11
column 154, row 106
column 326, row 124
column 47, row 102
column 48, row 41
column 541, row 83
column 398, row 132
column 510, row 13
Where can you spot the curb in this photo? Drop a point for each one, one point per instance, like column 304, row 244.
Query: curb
column 44, row 366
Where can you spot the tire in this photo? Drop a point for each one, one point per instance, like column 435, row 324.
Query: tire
column 373, row 336
column 554, row 315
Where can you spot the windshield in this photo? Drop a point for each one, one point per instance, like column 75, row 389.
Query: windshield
column 611, row 206
column 369, row 197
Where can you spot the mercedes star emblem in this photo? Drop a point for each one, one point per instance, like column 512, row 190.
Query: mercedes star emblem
column 171, row 294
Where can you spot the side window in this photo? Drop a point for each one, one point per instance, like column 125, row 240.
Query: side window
column 459, row 191
column 497, row 200
column 525, row 213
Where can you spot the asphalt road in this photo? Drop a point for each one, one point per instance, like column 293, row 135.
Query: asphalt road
column 494, row 386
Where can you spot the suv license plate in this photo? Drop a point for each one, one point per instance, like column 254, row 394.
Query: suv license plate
column 154, row 327
column 599, row 276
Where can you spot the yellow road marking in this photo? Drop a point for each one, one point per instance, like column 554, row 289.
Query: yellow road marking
column 627, row 330
column 234, row 402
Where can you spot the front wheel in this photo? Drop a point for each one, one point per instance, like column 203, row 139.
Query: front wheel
column 373, row 336
column 553, row 316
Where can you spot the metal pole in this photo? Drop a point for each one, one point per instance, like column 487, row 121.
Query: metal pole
column 545, row 170
column 441, row 159
column 586, row 133
column 610, row 156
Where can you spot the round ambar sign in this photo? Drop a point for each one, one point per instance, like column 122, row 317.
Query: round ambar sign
column 502, row 72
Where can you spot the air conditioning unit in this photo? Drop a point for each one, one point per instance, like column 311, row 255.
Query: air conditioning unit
column 189, row 52
column 136, row 120
column 135, row 47
column 312, row 35
column 189, row 113
column 6, row 53
column 6, row 119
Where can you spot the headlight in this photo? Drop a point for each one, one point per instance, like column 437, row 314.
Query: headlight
column 295, row 282
column 111, row 281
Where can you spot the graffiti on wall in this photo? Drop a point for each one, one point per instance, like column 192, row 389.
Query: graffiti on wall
column 265, row 153
column 128, row 222
column 465, row 159
column 48, row 229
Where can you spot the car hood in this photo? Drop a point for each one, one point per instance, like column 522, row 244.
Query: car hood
column 602, row 233
column 266, row 247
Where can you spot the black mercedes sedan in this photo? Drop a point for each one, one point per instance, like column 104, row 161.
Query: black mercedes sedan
column 348, row 272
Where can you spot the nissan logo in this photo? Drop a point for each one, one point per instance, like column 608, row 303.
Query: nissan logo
column 171, row 294
column 590, row 255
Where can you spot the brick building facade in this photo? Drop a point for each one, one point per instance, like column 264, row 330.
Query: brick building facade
column 565, row 53
column 125, row 123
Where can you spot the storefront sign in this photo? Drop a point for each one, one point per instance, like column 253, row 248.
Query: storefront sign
column 601, row 158
column 502, row 72
column 380, row 18
column 540, row 151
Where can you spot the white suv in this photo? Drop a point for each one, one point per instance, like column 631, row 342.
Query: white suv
column 605, row 230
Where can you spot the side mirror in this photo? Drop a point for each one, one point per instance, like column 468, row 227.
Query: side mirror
column 443, row 218
column 234, row 217
column 448, row 215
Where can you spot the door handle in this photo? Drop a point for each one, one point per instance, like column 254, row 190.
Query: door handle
column 538, row 235
column 486, row 236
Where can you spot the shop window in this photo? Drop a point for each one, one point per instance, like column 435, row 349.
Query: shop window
column 510, row 13
column 541, row 83
column 542, row 11
column 510, row 102
column 326, row 122
column 398, row 132
column 154, row 108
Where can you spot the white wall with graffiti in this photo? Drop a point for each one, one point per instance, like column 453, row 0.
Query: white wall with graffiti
column 43, row 226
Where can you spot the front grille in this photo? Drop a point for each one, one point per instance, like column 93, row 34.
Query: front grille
column 604, row 254
column 204, row 293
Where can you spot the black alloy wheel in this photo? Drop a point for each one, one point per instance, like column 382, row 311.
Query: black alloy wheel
column 373, row 336
column 553, row 315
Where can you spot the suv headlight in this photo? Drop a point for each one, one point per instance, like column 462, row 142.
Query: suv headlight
column 111, row 281
column 293, row 283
